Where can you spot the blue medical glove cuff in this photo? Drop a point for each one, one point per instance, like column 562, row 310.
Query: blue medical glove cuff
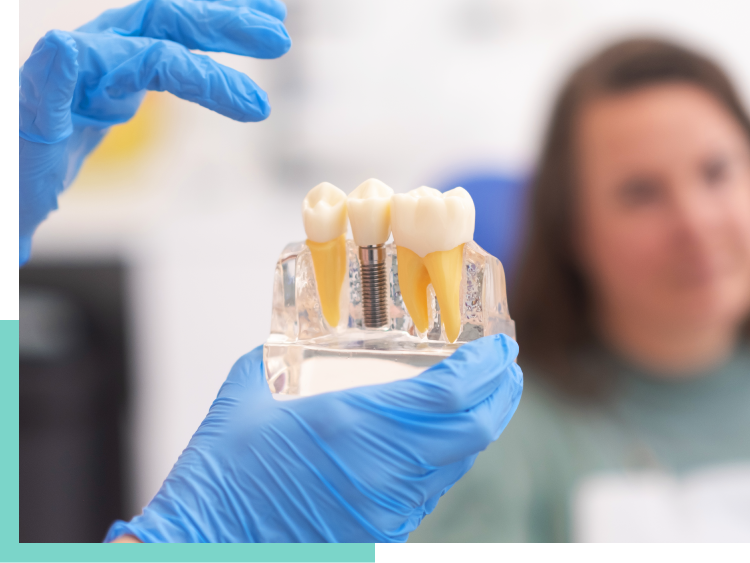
column 120, row 528
column 151, row 528
column 147, row 534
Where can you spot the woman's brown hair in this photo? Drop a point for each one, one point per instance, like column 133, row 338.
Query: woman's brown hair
column 551, row 302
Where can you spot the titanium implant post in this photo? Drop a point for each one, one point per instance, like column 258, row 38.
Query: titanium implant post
column 372, row 261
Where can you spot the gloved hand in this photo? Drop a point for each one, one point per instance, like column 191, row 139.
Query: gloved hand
column 360, row 465
column 75, row 85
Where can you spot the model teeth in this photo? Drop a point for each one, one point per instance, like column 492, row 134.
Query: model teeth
column 324, row 213
column 324, row 217
column 430, row 229
column 425, row 220
column 369, row 208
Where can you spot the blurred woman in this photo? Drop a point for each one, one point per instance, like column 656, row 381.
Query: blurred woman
column 632, row 309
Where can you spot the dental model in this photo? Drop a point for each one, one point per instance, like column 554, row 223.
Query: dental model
column 324, row 217
column 347, row 313
column 369, row 208
column 430, row 229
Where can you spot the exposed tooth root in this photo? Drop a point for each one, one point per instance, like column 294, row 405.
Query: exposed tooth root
column 434, row 227
column 413, row 280
column 329, row 262
column 445, row 268
column 324, row 217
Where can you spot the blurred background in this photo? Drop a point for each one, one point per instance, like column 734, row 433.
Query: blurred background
column 156, row 274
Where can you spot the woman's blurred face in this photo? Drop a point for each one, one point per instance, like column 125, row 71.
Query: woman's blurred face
column 663, row 209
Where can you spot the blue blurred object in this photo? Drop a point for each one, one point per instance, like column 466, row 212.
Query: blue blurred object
column 500, row 202
column 359, row 465
column 77, row 84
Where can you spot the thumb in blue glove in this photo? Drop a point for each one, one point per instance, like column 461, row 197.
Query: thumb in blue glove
column 360, row 465
column 75, row 85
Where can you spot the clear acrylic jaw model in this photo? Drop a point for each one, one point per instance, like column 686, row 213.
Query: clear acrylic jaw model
column 305, row 356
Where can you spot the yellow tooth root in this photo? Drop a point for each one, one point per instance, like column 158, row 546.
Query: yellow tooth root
column 413, row 280
column 329, row 262
column 445, row 269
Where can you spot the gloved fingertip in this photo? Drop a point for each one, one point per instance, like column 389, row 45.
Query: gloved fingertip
column 257, row 106
column 516, row 380
column 279, row 11
column 247, row 373
column 470, row 375
column 65, row 64
column 47, row 82
column 247, row 363
column 60, row 38
column 507, row 344
column 517, row 375
column 274, row 8
column 272, row 40
column 277, row 47
column 490, row 351
column 286, row 45
column 264, row 105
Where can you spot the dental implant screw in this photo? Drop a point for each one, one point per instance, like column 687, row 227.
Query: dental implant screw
column 372, row 269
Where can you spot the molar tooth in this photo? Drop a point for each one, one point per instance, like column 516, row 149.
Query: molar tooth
column 324, row 217
column 434, row 227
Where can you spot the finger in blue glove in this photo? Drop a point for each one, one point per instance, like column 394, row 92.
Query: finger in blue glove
column 75, row 85
column 360, row 465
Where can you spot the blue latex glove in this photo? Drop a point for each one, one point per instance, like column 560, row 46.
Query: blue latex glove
column 361, row 465
column 75, row 85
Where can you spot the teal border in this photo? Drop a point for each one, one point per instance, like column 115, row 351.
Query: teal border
column 9, row 438
column 11, row 550
column 80, row 552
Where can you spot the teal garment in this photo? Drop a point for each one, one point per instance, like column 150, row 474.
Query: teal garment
column 521, row 488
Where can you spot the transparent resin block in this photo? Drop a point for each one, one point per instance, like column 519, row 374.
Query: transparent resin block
column 305, row 356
